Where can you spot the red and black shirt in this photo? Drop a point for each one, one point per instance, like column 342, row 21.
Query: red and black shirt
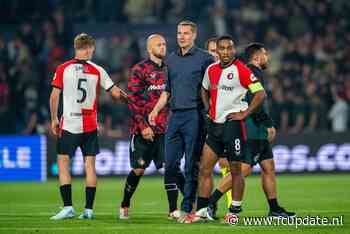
column 145, row 85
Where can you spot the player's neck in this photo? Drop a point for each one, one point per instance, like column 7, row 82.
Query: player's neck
column 184, row 50
column 224, row 65
column 155, row 60
column 82, row 56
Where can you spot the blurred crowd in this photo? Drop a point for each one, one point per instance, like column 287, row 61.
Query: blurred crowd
column 308, row 79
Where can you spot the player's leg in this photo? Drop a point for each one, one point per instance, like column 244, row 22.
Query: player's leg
column 225, row 185
column 63, row 163
column 268, row 179
column 139, row 160
column 235, row 140
column 234, row 181
column 243, row 151
column 237, row 185
column 90, row 186
column 90, row 148
column 225, row 171
column 130, row 186
column 205, row 186
column 66, row 146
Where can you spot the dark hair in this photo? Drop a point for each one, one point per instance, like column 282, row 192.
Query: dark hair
column 212, row 39
column 251, row 49
column 225, row 37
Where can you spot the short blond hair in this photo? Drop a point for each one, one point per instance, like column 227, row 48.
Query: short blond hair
column 189, row 23
column 83, row 41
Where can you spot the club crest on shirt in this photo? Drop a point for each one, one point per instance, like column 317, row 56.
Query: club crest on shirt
column 253, row 78
column 230, row 76
column 152, row 75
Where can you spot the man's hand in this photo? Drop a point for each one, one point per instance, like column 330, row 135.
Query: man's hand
column 148, row 134
column 55, row 127
column 116, row 93
column 271, row 134
column 238, row 115
column 152, row 117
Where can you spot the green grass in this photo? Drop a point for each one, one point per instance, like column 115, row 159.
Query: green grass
column 26, row 207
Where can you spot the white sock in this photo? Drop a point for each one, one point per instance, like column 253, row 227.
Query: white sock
column 236, row 203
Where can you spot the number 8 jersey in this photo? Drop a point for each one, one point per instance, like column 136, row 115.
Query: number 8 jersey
column 227, row 87
column 79, row 81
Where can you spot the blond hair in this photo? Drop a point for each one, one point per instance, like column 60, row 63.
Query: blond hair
column 83, row 41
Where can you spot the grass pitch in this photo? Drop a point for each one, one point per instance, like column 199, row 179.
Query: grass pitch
column 26, row 207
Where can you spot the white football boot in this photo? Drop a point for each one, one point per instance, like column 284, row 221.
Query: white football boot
column 87, row 214
column 67, row 212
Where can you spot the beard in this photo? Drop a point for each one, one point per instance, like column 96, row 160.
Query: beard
column 264, row 65
column 158, row 55
column 227, row 60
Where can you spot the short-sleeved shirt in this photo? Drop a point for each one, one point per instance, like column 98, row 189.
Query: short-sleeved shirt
column 185, row 75
column 227, row 87
column 79, row 81
column 258, row 122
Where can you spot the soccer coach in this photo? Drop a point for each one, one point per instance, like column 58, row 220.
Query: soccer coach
column 185, row 134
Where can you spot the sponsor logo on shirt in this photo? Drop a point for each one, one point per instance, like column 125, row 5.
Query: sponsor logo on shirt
column 156, row 87
column 223, row 87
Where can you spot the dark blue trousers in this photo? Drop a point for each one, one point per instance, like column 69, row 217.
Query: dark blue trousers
column 184, row 138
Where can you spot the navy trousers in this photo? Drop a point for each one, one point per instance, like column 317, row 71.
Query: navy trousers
column 184, row 137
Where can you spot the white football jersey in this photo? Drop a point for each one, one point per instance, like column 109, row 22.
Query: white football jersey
column 79, row 81
column 227, row 87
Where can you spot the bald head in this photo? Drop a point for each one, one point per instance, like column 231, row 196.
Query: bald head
column 156, row 46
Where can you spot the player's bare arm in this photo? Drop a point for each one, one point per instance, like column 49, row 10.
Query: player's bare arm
column 258, row 98
column 205, row 98
column 163, row 100
column 271, row 134
column 54, row 99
